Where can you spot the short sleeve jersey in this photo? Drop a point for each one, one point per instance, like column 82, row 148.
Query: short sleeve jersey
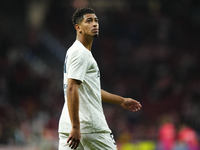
column 80, row 65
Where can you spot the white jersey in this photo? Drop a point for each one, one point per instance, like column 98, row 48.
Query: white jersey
column 80, row 65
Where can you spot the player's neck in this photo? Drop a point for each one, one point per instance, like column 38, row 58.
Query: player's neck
column 87, row 42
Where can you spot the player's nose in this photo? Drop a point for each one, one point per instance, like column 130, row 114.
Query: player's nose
column 95, row 23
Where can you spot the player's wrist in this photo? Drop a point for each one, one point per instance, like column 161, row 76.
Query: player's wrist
column 76, row 126
column 122, row 100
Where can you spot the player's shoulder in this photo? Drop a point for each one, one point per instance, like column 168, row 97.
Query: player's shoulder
column 77, row 49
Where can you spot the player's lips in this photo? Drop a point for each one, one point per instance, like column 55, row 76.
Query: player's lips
column 95, row 30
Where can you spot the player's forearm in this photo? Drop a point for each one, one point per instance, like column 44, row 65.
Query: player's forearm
column 73, row 106
column 111, row 98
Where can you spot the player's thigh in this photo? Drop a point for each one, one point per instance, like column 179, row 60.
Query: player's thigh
column 98, row 141
column 63, row 145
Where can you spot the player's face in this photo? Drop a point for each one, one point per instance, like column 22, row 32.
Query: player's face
column 90, row 25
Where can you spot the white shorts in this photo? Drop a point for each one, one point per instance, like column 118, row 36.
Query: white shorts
column 91, row 141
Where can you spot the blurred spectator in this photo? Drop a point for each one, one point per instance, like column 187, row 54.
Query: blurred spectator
column 167, row 134
column 188, row 136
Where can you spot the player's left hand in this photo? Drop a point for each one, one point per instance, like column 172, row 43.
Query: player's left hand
column 131, row 104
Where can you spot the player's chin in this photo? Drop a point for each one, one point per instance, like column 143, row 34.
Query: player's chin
column 96, row 35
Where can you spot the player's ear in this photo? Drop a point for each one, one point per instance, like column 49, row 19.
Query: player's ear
column 78, row 28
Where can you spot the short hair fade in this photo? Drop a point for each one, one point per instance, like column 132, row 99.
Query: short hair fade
column 79, row 13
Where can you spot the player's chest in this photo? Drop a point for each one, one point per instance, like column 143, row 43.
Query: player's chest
column 93, row 68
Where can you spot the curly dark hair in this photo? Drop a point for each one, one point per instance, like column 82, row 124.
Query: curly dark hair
column 79, row 13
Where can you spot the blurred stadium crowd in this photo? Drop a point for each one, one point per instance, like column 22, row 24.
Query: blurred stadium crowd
column 148, row 50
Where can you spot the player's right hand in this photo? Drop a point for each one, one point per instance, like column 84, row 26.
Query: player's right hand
column 74, row 138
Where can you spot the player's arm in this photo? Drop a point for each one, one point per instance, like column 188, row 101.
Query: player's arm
column 73, row 108
column 127, row 103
